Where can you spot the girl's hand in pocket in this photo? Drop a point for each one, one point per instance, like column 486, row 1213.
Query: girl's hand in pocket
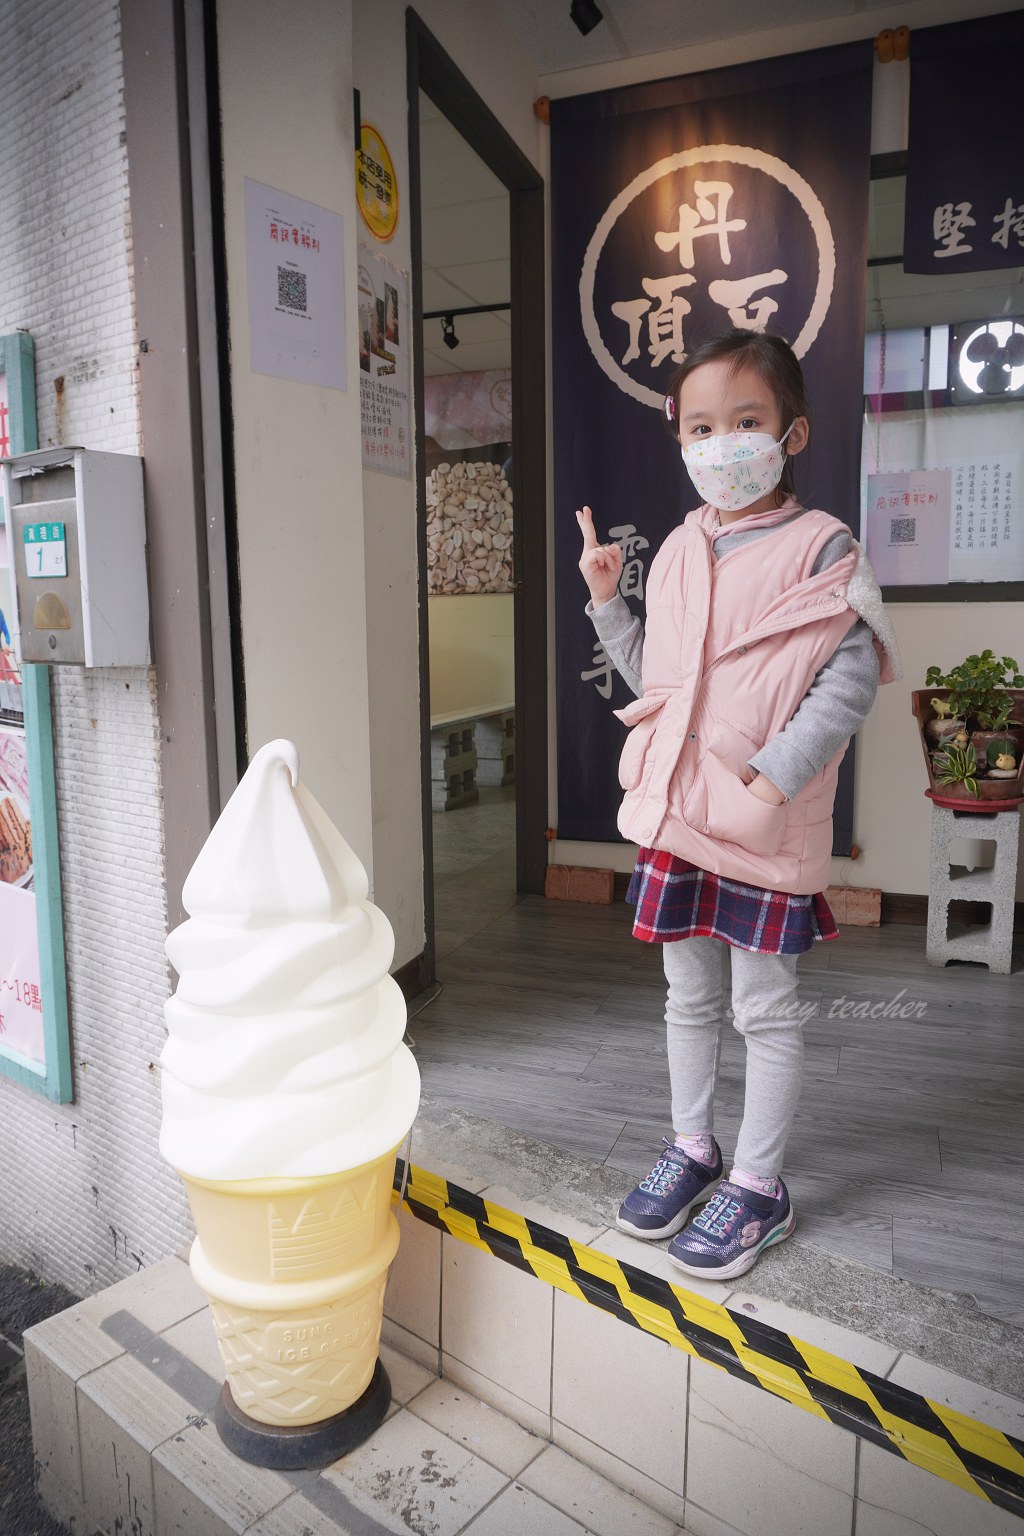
column 765, row 790
column 601, row 564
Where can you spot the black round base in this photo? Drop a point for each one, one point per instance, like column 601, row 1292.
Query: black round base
column 289, row 1449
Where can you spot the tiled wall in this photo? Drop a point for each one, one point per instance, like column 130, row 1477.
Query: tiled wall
column 88, row 1199
column 706, row 1450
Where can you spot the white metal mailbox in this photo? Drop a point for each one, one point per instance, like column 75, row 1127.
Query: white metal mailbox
column 76, row 536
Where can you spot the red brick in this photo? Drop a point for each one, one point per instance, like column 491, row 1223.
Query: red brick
column 574, row 882
column 863, row 907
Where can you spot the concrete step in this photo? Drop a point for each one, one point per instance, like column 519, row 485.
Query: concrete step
column 123, row 1388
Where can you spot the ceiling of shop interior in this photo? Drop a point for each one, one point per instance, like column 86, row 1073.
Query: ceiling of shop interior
column 465, row 249
column 634, row 27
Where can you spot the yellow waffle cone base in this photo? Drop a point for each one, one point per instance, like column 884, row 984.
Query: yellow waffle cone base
column 295, row 1270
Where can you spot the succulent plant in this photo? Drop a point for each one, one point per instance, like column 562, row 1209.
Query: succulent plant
column 957, row 765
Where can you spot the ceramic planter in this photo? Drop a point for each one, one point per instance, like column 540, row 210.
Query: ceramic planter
column 988, row 788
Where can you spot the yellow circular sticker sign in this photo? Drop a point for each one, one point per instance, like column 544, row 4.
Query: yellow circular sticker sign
column 376, row 186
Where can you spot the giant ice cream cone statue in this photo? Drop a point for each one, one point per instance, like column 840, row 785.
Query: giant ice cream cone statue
column 287, row 1091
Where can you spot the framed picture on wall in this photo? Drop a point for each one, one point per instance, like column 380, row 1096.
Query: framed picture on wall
column 35, row 1048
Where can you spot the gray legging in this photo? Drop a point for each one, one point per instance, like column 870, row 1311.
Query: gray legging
column 767, row 1015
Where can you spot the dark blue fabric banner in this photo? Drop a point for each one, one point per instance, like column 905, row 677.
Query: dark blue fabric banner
column 681, row 207
column 965, row 169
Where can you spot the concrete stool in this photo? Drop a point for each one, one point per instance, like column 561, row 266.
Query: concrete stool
column 992, row 944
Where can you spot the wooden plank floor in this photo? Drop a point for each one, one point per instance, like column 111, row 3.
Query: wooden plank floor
column 908, row 1149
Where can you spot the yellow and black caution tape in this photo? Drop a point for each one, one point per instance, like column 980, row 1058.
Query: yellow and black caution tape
column 962, row 1450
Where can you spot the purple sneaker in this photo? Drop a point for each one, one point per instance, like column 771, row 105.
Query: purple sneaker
column 661, row 1203
column 732, row 1229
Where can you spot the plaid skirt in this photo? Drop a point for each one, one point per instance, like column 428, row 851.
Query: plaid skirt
column 676, row 900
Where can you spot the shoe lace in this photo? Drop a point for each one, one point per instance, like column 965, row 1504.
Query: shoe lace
column 664, row 1176
column 719, row 1215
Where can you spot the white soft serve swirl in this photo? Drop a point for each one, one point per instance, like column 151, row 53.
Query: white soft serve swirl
column 284, row 1055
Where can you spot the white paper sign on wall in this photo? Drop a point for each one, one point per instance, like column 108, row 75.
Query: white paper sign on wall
column 296, row 272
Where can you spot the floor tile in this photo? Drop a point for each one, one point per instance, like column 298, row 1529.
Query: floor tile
column 653, row 1257
column 861, row 1350
column 159, row 1295
column 536, row 1420
column 409, row 1345
column 199, row 1486
column 410, row 1477
column 298, row 1515
column 407, row 1377
column 585, row 1496
column 543, row 1215
column 621, row 1474
column 923, row 1105
column 943, row 1388
column 518, row 1512
column 490, row 1435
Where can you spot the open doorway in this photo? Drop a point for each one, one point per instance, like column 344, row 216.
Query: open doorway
column 478, row 285
column 468, row 465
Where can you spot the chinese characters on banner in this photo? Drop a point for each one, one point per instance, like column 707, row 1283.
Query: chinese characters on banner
column 759, row 222
column 384, row 398
column 965, row 173
column 959, row 523
column 295, row 265
column 21, row 1009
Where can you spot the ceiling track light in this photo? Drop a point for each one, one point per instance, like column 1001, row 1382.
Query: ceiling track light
column 585, row 14
column 448, row 335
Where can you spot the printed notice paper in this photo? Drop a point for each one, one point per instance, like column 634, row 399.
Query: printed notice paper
column 296, row 288
column 384, row 349
column 962, row 522
column 907, row 531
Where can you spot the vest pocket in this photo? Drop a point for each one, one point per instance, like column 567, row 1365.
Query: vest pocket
column 634, row 754
column 642, row 715
column 734, row 815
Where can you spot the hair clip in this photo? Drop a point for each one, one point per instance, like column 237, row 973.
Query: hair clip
column 670, row 408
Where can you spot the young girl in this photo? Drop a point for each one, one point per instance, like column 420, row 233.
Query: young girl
column 761, row 654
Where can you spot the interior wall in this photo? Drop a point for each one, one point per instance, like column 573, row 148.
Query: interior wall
column 297, row 446
column 891, row 814
column 472, row 665
column 475, row 38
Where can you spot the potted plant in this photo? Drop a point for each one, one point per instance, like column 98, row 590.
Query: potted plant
column 978, row 703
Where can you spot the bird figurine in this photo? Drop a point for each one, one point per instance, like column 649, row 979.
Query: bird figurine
column 1004, row 767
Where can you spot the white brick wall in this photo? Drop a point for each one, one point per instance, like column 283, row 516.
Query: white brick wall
column 86, row 1198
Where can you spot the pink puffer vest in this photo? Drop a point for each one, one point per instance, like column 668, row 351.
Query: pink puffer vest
column 730, row 649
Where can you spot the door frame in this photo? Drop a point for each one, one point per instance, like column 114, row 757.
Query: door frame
column 431, row 70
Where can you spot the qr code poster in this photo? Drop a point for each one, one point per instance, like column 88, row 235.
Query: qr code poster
column 958, row 522
column 907, row 527
column 296, row 272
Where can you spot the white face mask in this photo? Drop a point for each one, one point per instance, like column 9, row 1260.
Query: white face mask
column 733, row 471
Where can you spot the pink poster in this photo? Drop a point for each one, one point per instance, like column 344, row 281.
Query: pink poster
column 21, row 1005
column 21, row 1009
